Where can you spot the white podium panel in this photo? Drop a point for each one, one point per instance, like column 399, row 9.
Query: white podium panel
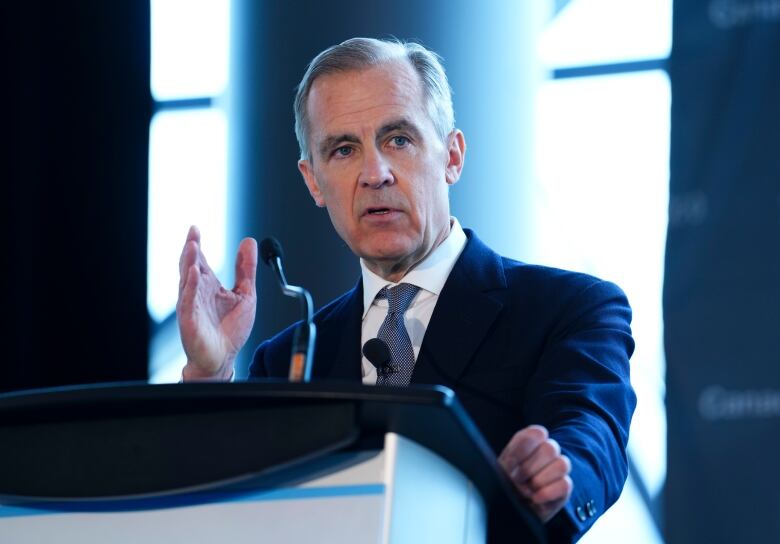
column 427, row 499
column 402, row 494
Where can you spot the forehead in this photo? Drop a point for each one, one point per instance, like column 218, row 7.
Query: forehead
column 352, row 100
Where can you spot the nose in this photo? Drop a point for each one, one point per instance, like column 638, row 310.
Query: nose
column 375, row 171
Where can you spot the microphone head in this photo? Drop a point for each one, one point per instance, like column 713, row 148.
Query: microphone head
column 378, row 353
column 270, row 248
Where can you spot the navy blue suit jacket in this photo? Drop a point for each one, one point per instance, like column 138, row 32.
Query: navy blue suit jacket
column 519, row 344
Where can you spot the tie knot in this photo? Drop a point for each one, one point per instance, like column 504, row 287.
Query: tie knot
column 399, row 297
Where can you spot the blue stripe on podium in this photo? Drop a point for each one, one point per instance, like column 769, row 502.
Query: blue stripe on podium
column 190, row 499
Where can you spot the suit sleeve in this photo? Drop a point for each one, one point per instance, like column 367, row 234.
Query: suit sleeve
column 272, row 357
column 257, row 367
column 582, row 393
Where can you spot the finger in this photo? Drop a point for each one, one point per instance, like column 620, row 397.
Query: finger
column 554, row 493
column 547, row 452
column 555, row 470
column 522, row 445
column 544, row 465
column 194, row 242
column 194, row 234
column 246, row 266
column 186, row 304
column 189, row 256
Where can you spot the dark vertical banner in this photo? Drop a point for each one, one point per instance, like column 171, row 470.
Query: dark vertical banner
column 722, row 281
column 74, row 210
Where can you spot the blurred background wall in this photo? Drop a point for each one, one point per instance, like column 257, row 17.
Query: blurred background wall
column 133, row 120
column 721, row 294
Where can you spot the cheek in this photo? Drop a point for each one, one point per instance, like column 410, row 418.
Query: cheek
column 434, row 190
column 339, row 199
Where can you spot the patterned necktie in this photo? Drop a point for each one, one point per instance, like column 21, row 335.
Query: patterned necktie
column 393, row 332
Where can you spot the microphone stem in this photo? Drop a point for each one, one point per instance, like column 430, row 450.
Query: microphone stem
column 302, row 356
column 303, row 296
column 296, row 292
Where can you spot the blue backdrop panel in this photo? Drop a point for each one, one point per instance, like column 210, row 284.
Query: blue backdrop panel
column 722, row 287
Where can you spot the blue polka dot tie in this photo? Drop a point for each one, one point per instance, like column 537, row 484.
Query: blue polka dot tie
column 393, row 332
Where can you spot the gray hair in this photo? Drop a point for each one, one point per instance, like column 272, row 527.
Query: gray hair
column 364, row 53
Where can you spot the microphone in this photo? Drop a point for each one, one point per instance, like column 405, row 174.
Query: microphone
column 302, row 357
column 378, row 354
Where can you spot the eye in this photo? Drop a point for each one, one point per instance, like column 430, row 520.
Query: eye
column 343, row 151
column 399, row 141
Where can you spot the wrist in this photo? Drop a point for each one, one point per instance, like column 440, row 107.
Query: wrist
column 193, row 373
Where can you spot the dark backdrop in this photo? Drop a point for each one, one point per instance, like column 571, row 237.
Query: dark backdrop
column 74, row 233
column 722, row 287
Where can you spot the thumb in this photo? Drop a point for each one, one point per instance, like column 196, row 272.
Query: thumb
column 246, row 267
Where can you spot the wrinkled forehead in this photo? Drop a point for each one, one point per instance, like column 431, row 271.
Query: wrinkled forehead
column 353, row 96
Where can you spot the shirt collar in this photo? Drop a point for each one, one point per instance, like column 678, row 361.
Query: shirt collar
column 429, row 274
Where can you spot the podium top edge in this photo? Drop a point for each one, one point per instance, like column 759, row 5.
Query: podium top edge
column 260, row 389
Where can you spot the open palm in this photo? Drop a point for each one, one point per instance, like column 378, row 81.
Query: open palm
column 214, row 322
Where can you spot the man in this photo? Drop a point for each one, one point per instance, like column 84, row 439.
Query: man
column 539, row 357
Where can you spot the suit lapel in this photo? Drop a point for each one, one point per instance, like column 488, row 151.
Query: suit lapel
column 463, row 315
column 338, row 339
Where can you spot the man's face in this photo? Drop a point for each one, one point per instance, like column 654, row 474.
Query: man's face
column 379, row 166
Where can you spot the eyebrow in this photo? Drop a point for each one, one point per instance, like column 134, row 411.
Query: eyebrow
column 332, row 141
column 397, row 125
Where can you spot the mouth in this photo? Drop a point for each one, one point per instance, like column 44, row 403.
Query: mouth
column 378, row 211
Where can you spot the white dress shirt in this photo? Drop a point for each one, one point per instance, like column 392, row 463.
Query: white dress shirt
column 429, row 275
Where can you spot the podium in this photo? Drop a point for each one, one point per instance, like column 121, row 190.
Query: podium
column 251, row 462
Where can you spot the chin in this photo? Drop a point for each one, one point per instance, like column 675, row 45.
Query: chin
column 394, row 249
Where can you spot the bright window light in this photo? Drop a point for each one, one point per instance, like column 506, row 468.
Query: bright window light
column 628, row 516
column 190, row 45
column 187, row 186
column 601, row 207
column 588, row 32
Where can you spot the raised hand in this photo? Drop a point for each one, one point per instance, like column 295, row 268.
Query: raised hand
column 214, row 323
column 538, row 469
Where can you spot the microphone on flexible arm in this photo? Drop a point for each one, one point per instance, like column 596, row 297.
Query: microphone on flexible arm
column 378, row 354
column 302, row 357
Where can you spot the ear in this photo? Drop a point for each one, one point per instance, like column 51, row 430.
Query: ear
column 307, row 171
column 456, row 155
